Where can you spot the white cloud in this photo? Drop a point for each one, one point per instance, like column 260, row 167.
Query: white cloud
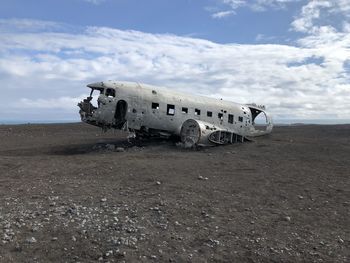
column 29, row 25
column 49, row 69
column 95, row 2
column 256, row 5
column 309, row 13
column 316, row 15
column 222, row 14
column 234, row 3
column 62, row 103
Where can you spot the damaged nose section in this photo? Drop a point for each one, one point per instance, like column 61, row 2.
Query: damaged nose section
column 261, row 121
column 86, row 109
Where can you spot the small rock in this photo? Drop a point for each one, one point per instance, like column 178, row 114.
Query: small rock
column 120, row 149
column 31, row 240
column 6, row 237
column 202, row 178
column 287, row 218
column 158, row 183
column 340, row 240
column 103, row 199
column 34, row 229
column 54, row 239
column 109, row 253
column 214, row 242
column 205, row 214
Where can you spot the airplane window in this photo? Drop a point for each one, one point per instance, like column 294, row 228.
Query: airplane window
column 197, row 112
column 209, row 114
column 220, row 115
column 184, row 110
column 240, row 119
column 155, row 106
column 110, row 92
column 170, row 110
column 230, row 118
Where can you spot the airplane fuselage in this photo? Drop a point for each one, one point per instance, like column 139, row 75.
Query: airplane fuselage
column 152, row 109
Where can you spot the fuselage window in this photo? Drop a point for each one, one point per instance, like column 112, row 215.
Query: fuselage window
column 155, row 106
column 170, row 109
column 240, row 119
column 230, row 118
column 220, row 116
column 110, row 93
column 209, row 114
column 184, row 110
column 197, row 112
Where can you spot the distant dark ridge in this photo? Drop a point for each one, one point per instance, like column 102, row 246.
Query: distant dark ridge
column 295, row 122
column 15, row 122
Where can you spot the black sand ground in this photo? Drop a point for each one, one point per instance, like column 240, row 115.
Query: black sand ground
column 67, row 197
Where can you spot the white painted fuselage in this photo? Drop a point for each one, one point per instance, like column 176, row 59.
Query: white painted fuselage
column 151, row 109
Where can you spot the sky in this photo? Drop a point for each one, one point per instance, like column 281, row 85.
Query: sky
column 291, row 55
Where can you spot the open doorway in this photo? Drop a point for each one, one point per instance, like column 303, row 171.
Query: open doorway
column 120, row 113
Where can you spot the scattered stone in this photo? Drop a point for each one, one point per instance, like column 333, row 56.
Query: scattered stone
column 120, row 149
column 204, row 214
column 340, row 240
column 31, row 240
column 213, row 242
column 6, row 238
column 109, row 253
column 287, row 218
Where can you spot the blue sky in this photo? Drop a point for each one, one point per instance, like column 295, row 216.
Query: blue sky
column 292, row 55
column 181, row 17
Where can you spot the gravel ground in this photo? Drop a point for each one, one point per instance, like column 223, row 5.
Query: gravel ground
column 70, row 193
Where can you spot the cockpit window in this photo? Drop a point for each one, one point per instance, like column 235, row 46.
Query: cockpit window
column 110, row 93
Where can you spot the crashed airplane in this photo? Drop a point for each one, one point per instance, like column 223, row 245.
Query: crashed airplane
column 155, row 111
